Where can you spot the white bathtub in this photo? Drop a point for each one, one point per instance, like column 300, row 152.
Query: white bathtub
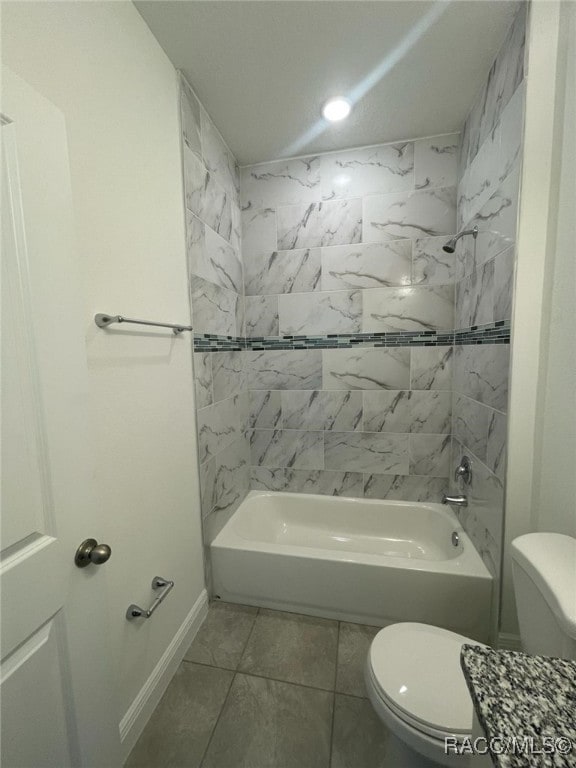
column 360, row 560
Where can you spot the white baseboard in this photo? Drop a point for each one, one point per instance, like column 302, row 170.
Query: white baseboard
column 509, row 642
column 146, row 701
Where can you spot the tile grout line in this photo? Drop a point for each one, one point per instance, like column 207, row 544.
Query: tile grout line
column 334, row 696
column 276, row 679
column 337, row 654
column 234, row 675
column 213, row 731
column 241, row 656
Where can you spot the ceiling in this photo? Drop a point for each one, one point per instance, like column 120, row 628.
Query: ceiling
column 263, row 68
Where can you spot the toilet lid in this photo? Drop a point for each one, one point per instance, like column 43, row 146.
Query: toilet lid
column 417, row 668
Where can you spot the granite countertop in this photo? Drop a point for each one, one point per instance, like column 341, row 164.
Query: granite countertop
column 528, row 698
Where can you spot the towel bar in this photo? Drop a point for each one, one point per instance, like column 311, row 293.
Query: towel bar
column 103, row 321
column 135, row 612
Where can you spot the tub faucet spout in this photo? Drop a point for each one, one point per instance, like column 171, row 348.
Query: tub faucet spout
column 458, row 501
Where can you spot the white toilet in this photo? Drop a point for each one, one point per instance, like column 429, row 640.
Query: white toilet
column 413, row 673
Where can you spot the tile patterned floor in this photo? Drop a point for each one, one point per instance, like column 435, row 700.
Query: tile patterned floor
column 267, row 689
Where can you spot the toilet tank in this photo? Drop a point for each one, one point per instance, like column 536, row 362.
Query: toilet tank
column 544, row 573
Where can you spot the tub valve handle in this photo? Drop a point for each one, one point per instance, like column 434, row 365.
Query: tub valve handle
column 457, row 501
column 464, row 470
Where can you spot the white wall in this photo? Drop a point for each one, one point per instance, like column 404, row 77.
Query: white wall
column 99, row 63
column 555, row 468
column 542, row 234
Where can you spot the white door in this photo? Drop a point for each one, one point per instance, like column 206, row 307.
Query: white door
column 57, row 706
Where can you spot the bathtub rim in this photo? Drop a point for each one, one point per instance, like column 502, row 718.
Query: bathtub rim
column 467, row 563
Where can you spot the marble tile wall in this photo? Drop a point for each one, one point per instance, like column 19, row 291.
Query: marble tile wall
column 341, row 243
column 344, row 243
column 321, row 233
column 216, row 282
column 488, row 189
column 359, row 422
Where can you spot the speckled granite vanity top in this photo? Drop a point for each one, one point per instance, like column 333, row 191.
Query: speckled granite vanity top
column 530, row 698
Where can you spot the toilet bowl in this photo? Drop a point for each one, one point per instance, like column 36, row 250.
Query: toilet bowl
column 413, row 673
column 417, row 688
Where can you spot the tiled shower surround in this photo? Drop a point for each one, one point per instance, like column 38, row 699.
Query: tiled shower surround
column 488, row 188
column 349, row 243
column 339, row 350
column 211, row 189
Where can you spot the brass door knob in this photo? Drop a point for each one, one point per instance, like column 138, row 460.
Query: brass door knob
column 92, row 552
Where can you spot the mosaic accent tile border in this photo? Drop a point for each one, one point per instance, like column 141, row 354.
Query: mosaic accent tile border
column 211, row 342
column 491, row 333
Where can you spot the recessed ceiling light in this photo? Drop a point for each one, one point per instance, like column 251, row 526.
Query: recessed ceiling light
column 336, row 109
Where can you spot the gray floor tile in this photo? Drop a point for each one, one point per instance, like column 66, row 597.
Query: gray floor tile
column 360, row 737
column 353, row 646
column 291, row 647
column 267, row 724
column 221, row 639
column 179, row 730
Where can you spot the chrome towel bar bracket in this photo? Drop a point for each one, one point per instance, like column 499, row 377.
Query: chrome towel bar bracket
column 135, row 612
column 103, row 321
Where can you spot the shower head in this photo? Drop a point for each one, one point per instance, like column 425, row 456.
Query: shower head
column 450, row 246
